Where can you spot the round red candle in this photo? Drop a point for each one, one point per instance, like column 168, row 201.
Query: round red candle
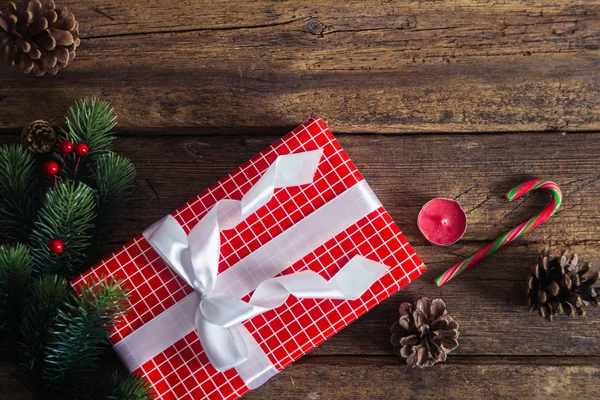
column 442, row 221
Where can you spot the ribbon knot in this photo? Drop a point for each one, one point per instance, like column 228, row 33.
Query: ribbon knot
column 219, row 316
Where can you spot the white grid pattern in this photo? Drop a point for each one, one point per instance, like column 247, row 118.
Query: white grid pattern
column 285, row 334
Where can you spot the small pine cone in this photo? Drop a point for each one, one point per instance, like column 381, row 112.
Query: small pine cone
column 38, row 37
column 39, row 136
column 561, row 285
column 424, row 333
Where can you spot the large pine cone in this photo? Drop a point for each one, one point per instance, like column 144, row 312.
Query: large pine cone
column 560, row 285
column 424, row 333
column 38, row 37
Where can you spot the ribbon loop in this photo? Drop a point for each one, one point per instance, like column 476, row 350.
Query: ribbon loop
column 220, row 316
column 348, row 284
column 195, row 257
column 224, row 347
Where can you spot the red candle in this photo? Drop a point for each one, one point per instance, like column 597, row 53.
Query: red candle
column 442, row 221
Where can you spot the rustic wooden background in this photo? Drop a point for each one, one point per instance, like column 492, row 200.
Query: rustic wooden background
column 454, row 98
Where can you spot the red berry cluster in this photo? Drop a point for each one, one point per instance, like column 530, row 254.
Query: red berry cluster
column 51, row 168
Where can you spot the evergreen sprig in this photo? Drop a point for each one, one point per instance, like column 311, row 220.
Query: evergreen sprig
column 15, row 272
column 89, row 121
column 80, row 335
column 120, row 386
column 67, row 215
column 55, row 336
column 18, row 192
column 113, row 178
column 47, row 296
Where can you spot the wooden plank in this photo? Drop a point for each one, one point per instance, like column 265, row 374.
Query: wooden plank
column 490, row 304
column 113, row 18
column 405, row 172
column 10, row 385
column 384, row 377
column 353, row 378
column 370, row 66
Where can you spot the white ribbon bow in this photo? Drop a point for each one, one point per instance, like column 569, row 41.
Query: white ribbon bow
column 195, row 258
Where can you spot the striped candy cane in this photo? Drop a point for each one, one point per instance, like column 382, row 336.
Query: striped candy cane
column 519, row 231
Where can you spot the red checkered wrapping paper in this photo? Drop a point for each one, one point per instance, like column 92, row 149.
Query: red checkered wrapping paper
column 183, row 371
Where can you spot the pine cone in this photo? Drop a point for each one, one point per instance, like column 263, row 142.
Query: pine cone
column 38, row 37
column 424, row 333
column 560, row 285
column 39, row 136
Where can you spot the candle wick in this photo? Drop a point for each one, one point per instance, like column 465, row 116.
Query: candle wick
column 445, row 221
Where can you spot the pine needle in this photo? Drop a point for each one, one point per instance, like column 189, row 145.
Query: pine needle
column 15, row 272
column 47, row 296
column 113, row 179
column 89, row 121
column 127, row 387
column 80, row 335
column 121, row 386
column 54, row 335
column 19, row 193
column 66, row 215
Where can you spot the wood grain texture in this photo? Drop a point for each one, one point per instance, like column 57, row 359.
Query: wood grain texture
column 11, row 388
column 505, row 351
column 364, row 66
column 375, row 379
column 201, row 86
column 349, row 378
column 405, row 172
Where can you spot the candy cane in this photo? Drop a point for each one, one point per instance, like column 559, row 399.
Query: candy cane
column 519, row 231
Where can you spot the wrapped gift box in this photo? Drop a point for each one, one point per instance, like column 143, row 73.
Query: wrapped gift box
column 181, row 370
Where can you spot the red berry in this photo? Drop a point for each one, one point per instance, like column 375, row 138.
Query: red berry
column 51, row 168
column 56, row 246
column 66, row 146
column 81, row 149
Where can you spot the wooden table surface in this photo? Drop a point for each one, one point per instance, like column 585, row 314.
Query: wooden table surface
column 455, row 98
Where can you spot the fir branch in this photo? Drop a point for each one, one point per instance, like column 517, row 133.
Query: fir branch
column 89, row 121
column 66, row 215
column 47, row 296
column 121, row 386
column 19, row 193
column 15, row 272
column 80, row 335
column 113, row 180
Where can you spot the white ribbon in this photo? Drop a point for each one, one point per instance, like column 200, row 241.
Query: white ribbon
column 218, row 315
